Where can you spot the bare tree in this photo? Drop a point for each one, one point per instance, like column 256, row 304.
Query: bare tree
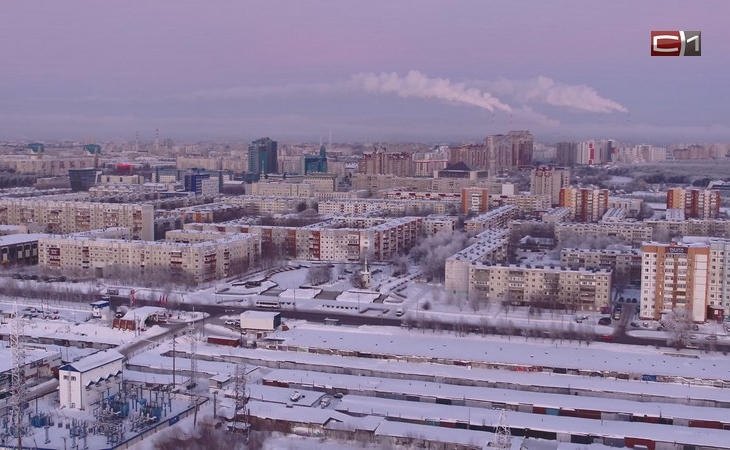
column 679, row 325
column 317, row 275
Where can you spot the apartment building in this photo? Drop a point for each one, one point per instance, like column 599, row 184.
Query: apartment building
column 491, row 246
column 189, row 256
column 526, row 204
column 434, row 223
column 587, row 205
column 282, row 189
column 548, row 180
column 341, row 239
column 19, row 249
column 674, row 275
column 625, row 264
column 555, row 215
column 632, row 206
column 44, row 167
column 260, row 205
column 549, row 287
column 664, row 230
column 634, row 233
column 697, row 203
column 66, row 217
column 497, row 218
column 382, row 162
column 403, row 206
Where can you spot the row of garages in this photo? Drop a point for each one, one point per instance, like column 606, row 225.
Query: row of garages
column 277, row 345
column 544, row 404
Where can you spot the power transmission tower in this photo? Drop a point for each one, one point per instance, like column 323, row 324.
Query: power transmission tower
column 241, row 400
column 502, row 435
column 18, row 378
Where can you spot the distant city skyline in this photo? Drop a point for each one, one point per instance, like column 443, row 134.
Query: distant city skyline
column 368, row 71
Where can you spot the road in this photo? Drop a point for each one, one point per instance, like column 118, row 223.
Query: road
column 619, row 335
column 312, row 316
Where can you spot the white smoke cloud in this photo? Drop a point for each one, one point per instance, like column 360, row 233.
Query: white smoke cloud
column 544, row 90
column 417, row 85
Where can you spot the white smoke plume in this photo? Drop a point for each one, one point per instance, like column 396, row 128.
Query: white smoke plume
column 417, row 85
column 544, row 90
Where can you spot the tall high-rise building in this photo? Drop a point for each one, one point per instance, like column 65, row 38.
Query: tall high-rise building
column 587, row 205
column 315, row 163
column 381, row 162
column 674, row 276
column 696, row 203
column 548, row 180
column 565, row 153
column 262, row 157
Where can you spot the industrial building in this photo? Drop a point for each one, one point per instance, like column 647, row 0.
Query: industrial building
column 83, row 382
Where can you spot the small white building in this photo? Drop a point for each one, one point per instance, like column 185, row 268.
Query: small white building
column 260, row 320
column 82, row 382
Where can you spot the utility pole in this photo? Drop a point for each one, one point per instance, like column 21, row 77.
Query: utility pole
column 173, row 359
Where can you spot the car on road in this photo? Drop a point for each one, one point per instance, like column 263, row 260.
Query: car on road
column 338, row 395
column 635, row 325
column 399, row 312
column 229, row 310
column 607, row 338
column 604, row 321
column 295, row 396
column 231, row 322
column 711, row 337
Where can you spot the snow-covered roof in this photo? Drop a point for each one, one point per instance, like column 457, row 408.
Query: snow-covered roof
column 93, row 361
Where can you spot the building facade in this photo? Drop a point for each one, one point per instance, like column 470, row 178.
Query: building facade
column 674, row 276
column 587, row 205
column 66, row 217
column 263, row 156
column 548, row 287
column 188, row 256
column 696, row 203
column 548, row 180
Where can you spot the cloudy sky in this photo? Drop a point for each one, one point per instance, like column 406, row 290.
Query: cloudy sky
column 416, row 70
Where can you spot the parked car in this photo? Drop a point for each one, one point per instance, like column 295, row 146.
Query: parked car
column 711, row 337
column 232, row 323
column 604, row 321
column 295, row 396
column 325, row 402
column 338, row 395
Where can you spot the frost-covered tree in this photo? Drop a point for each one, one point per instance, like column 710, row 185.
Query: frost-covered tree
column 679, row 326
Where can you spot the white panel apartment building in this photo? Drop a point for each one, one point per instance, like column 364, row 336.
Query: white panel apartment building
column 340, row 239
column 674, row 276
column 66, row 217
column 490, row 247
column 553, row 287
column 693, row 273
column 366, row 206
column 201, row 258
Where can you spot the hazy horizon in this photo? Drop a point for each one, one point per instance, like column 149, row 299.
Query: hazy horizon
column 368, row 71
